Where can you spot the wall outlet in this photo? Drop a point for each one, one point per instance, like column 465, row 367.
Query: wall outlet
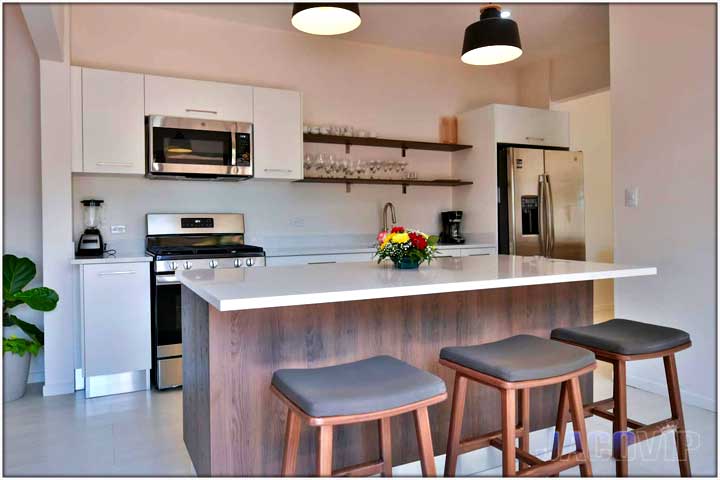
column 115, row 229
column 632, row 197
column 297, row 222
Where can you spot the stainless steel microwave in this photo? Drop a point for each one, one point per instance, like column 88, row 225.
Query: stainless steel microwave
column 190, row 148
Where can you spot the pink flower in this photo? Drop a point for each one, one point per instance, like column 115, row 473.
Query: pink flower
column 381, row 236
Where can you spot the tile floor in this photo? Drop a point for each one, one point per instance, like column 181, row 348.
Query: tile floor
column 141, row 434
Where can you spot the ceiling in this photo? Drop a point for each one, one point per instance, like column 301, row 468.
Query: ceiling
column 546, row 30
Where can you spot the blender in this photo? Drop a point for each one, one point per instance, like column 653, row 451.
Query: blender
column 91, row 242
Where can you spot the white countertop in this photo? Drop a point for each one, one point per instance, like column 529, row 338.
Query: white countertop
column 118, row 258
column 249, row 288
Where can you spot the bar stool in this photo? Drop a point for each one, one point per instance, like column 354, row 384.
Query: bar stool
column 376, row 388
column 619, row 341
column 514, row 366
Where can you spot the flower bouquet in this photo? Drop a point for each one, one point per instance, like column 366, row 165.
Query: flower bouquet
column 406, row 248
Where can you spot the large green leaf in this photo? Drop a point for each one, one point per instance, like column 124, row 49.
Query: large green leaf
column 17, row 272
column 40, row 298
column 30, row 330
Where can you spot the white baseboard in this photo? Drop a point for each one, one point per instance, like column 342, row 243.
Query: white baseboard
column 661, row 389
column 36, row 377
column 487, row 458
column 58, row 389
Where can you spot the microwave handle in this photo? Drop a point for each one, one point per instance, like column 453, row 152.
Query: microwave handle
column 233, row 146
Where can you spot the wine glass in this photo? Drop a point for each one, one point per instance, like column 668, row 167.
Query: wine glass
column 360, row 168
column 308, row 161
column 330, row 165
column 320, row 164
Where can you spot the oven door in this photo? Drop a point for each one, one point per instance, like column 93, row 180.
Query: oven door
column 192, row 147
column 167, row 332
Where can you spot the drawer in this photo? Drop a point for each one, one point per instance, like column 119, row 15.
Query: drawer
column 477, row 252
column 318, row 259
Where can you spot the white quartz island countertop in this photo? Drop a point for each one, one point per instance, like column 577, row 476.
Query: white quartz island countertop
column 250, row 288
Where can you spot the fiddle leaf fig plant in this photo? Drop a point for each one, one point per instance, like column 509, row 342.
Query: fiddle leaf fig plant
column 17, row 273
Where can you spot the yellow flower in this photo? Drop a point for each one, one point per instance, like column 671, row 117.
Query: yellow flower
column 387, row 239
column 400, row 238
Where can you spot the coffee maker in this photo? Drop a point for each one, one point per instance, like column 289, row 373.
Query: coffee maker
column 451, row 227
column 91, row 242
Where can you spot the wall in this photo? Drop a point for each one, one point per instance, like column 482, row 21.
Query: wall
column 565, row 76
column 590, row 132
column 663, row 99
column 395, row 92
column 22, row 212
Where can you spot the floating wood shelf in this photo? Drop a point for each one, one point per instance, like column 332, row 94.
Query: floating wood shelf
column 380, row 181
column 383, row 142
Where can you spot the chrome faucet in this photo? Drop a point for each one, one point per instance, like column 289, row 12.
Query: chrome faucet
column 387, row 206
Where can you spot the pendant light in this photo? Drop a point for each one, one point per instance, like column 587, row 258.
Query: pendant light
column 491, row 40
column 326, row 18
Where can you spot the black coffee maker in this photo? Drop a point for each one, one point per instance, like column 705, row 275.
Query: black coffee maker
column 451, row 221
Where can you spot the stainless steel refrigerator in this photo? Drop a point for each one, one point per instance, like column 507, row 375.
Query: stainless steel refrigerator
column 541, row 203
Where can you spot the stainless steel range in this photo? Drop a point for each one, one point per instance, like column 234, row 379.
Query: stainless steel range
column 184, row 242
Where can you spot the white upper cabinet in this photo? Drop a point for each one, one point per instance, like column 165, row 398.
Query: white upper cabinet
column 180, row 97
column 531, row 126
column 278, row 135
column 113, row 130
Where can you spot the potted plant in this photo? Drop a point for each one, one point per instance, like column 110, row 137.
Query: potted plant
column 406, row 248
column 17, row 273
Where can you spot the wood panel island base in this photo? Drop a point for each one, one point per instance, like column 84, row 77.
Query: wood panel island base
column 233, row 425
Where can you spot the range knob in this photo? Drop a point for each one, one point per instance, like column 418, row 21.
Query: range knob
column 173, row 266
column 237, row 263
column 213, row 263
column 188, row 265
column 249, row 262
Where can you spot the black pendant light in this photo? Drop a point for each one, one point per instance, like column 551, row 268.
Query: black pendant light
column 326, row 18
column 491, row 40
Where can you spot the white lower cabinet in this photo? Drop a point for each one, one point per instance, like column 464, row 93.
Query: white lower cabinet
column 116, row 327
column 318, row 259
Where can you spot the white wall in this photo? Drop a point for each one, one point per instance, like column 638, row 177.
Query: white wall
column 22, row 212
column 590, row 132
column 397, row 93
column 663, row 99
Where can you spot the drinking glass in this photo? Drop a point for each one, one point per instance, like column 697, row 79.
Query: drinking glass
column 360, row 168
column 320, row 163
column 330, row 165
column 308, row 161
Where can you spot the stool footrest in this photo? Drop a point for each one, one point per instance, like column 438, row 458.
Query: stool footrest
column 360, row 470
column 520, row 454
column 483, row 441
column 551, row 467
column 647, row 432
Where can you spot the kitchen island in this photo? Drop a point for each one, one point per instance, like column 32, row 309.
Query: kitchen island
column 240, row 325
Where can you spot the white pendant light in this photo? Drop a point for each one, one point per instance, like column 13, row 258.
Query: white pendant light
column 326, row 18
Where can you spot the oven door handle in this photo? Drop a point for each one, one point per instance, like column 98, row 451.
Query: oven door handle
column 166, row 280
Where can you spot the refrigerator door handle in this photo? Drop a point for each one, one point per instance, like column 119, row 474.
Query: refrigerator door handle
column 550, row 218
column 542, row 224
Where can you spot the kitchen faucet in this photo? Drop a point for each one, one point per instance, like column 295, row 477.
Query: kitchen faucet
column 387, row 206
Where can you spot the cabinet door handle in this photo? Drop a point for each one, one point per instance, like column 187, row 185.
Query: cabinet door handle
column 321, row 263
column 443, row 256
column 282, row 170
column 537, row 139
column 194, row 110
column 120, row 272
column 478, row 254
column 113, row 164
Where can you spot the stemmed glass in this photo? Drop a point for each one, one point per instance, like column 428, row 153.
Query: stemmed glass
column 320, row 164
column 360, row 168
column 330, row 165
column 308, row 162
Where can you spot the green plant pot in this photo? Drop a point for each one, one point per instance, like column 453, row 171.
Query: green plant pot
column 407, row 264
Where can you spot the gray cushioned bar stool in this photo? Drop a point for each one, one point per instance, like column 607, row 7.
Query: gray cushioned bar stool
column 374, row 389
column 619, row 341
column 514, row 366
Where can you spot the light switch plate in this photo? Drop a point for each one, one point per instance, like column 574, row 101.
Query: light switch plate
column 118, row 229
column 632, row 197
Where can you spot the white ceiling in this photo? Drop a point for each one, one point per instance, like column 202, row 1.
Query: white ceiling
column 545, row 29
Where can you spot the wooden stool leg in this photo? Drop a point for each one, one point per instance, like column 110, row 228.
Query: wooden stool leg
column 292, row 441
column 524, row 402
column 424, row 440
column 456, row 419
column 578, row 419
column 385, row 446
column 620, row 440
column 677, row 414
column 561, row 422
column 508, row 405
column 325, row 450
